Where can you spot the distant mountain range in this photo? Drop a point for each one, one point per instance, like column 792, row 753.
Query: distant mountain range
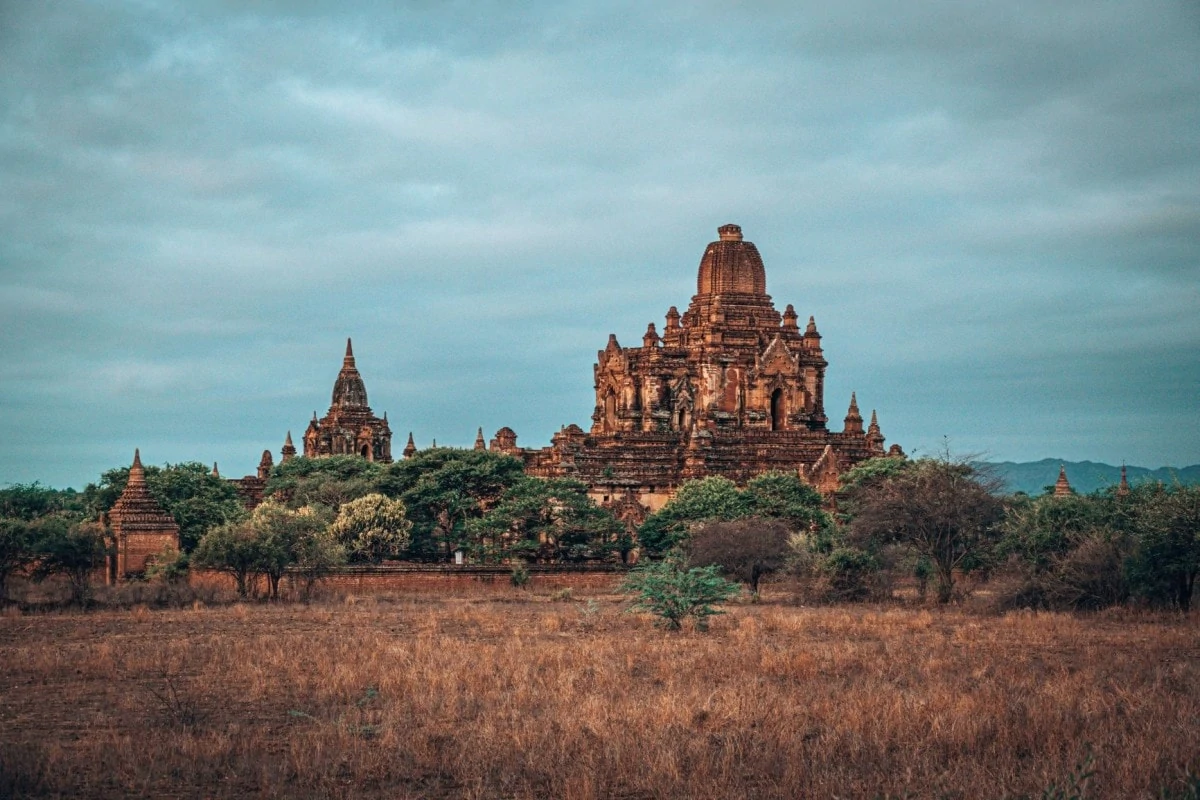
column 1033, row 477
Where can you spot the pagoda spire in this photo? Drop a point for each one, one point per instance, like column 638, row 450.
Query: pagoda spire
column 1123, row 486
column 1062, row 486
column 349, row 352
column 853, row 417
column 288, row 452
column 136, row 471
column 216, row 473
column 411, row 447
column 479, row 443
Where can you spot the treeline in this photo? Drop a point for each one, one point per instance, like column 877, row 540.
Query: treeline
column 932, row 521
column 925, row 523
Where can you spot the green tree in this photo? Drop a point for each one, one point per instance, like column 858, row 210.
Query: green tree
column 29, row 501
column 330, row 481
column 372, row 528
column 317, row 555
column 444, row 489
column 696, row 501
column 16, row 550
column 232, row 548
column 673, row 592
column 746, row 549
column 783, row 496
column 69, row 548
column 941, row 509
column 1166, row 558
column 189, row 492
column 550, row 520
column 284, row 536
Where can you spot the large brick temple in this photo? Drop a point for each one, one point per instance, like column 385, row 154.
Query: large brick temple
column 731, row 387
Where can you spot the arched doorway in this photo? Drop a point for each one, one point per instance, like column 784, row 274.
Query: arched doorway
column 610, row 411
column 777, row 410
column 365, row 452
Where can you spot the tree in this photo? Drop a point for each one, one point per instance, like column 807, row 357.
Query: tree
column 673, row 593
column 745, row 549
column 283, row 536
column 29, row 501
column 189, row 492
column 330, row 481
column 1166, row 558
column 937, row 507
column 316, row 556
column 551, row 520
column 444, row 489
column 71, row 549
column 372, row 528
column 783, row 496
column 16, row 550
column 232, row 548
column 696, row 501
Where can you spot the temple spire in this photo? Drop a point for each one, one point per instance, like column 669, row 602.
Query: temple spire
column 411, row 447
column 853, row 417
column 216, row 473
column 136, row 471
column 349, row 352
column 1123, row 486
column 1062, row 487
column 479, row 443
column 289, row 450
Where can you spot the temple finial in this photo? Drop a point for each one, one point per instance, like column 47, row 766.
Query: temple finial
column 349, row 348
column 479, row 443
column 137, row 458
column 854, row 404
column 411, row 447
column 288, row 440
column 1123, row 486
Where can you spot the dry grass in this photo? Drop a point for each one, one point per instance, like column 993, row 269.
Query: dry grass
column 517, row 696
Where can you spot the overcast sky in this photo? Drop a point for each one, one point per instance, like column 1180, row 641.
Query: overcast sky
column 992, row 209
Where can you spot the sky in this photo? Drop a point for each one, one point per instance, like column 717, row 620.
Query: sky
column 992, row 210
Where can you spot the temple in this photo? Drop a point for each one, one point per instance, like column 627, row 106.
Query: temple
column 138, row 526
column 730, row 387
column 349, row 428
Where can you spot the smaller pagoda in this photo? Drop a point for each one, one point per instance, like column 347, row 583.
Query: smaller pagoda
column 139, row 527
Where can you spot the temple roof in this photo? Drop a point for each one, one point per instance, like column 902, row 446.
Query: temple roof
column 731, row 265
column 136, row 509
column 349, row 391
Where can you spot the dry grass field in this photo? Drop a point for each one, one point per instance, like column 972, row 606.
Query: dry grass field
column 513, row 694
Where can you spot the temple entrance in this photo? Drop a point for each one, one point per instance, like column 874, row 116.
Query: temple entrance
column 365, row 452
column 777, row 411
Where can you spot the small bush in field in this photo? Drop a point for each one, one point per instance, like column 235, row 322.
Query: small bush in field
column 673, row 592
column 519, row 576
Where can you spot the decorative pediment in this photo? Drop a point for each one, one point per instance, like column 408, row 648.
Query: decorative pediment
column 777, row 359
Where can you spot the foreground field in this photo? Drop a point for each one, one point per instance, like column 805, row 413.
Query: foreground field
column 514, row 695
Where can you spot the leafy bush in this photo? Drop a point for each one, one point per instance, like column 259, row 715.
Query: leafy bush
column 673, row 592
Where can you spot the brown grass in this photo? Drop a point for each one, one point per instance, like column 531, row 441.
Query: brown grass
column 514, row 695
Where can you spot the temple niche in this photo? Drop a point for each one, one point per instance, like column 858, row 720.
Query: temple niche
column 730, row 387
column 350, row 428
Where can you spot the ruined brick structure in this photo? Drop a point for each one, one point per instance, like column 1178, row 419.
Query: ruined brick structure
column 731, row 387
column 349, row 428
column 138, row 527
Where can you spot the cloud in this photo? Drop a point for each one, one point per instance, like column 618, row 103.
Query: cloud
column 988, row 209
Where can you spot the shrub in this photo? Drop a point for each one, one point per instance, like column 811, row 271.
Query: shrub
column 673, row 592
